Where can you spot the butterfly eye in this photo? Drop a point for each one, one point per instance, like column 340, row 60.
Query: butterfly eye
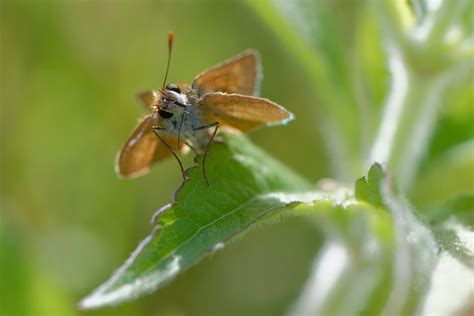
column 173, row 87
column 165, row 114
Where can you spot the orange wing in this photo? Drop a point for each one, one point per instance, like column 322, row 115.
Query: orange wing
column 142, row 149
column 242, row 112
column 149, row 98
column 239, row 74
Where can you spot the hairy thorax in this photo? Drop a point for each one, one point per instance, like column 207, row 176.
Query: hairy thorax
column 186, row 120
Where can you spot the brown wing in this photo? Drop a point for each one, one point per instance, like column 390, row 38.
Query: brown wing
column 242, row 112
column 149, row 98
column 142, row 149
column 239, row 74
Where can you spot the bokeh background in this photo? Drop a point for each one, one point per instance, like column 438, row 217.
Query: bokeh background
column 69, row 74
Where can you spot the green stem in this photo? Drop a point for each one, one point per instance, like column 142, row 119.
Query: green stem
column 418, row 83
column 408, row 119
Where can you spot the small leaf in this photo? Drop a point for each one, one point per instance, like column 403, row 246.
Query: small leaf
column 246, row 185
column 368, row 189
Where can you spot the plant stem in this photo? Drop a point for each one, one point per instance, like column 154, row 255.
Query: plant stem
column 421, row 72
column 410, row 114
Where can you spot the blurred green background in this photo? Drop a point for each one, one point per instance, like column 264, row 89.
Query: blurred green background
column 70, row 71
column 69, row 74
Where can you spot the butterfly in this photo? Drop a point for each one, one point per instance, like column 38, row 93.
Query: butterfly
column 188, row 116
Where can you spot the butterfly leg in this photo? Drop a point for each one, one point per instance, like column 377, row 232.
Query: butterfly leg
column 183, row 117
column 157, row 130
column 216, row 127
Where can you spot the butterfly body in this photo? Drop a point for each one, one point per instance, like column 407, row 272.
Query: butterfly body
column 177, row 114
column 188, row 116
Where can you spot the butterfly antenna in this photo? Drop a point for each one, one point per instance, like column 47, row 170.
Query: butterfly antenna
column 170, row 47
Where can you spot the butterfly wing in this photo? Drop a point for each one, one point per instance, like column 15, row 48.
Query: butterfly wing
column 149, row 98
column 240, row 74
column 143, row 148
column 242, row 112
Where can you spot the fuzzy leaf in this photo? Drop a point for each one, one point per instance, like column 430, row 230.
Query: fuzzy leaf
column 381, row 256
column 246, row 185
column 453, row 224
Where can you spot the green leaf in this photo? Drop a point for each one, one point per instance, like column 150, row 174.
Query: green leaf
column 453, row 223
column 380, row 254
column 368, row 189
column 246, row 185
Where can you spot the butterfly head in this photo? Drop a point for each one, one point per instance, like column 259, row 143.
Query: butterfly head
column 172, row 101
column 171, row 93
